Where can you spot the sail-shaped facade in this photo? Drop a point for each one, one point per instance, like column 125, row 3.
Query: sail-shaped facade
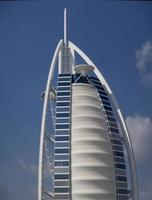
column 87, row 153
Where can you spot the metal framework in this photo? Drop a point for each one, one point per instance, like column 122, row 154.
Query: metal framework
column 64, row 59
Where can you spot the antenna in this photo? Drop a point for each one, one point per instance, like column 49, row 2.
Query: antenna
column 65, row 26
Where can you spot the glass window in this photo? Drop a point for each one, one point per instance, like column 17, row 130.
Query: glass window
column 62, row 138
column 61, row 183
column 64, row 83
column 62, row 132
column 116, row 142
column 106, row 103
column 111, row 119
column 109, row 113
column 120, row 160
column 66, row 120
column 122, row 191
column 62, row 163
column 61, row 151
column 122, row 197
column 119, row 148
column 99, row 87
column 102, row 93
column 63, row 93
column 120, row 172
column 118, row 153
column 62, row 126
column 64, row 78
column 104, row 98
column 63, row 88
column 121, row 166
column 63, row 98
column 62, row 115
column 64, row 109
column 61, row 190
column 61, row 157
column 61, row 144
column 115, row 136
column 113, row 125
column 62, row 196
column 122, row 185
column 62, row 104
column 61, row 176
column 64, row 75
column 121, row 178
column 107, row 108
column 114, row 130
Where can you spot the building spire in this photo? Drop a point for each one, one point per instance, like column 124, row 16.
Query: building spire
column 65, row 26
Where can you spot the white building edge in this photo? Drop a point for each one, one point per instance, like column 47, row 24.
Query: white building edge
column 81, row 173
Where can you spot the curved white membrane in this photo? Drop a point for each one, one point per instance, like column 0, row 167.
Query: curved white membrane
column 92, row 165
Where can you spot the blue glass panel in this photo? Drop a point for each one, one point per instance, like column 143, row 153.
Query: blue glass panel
column 121, row 178
column 102, row 93
column 117, row 153
column 62, row 120
column 116, row 142
column 62, row 132
column 109, row 113
column 61, row 196
column 61, row 190
column 61, row 176
column 111, row 119
column 61, row 157
column 104, row 98
column 122, row 191
column 62, row 144
column 64, row 109
column 63, row 93
column 62, row 126
column 107, row 108
column 63, row 75
column 62, row 114
column 62, row 163
column 114, row 130
column 120, row 160
column 106, row 103
column 120, row 148
column 61, row 151
column 63, row 104
column 120, row 166
column 63, row 98
column 63, row 88
column 122, row 185
column 62, row 138
column 113, row 125
column 64, row 83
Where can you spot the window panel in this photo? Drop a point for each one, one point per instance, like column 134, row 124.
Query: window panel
column 64, row 109
column 106, row 103
column 63, row 98
column 114, row 130
column 61, row 144
column 61, row 151
column 62, row 114
column 62, row 163
column 113, row 125
column 104, row 98
column 120, row 160
column 63, row 104
column 109, row 113
column 63, row 88
column 122, row 185
column 121, row 178
column 118, row 153
column 62, row 126
column 119, row 148
column 61, row 196
column 64, row 75
column 61, row 176
column 63, row 93
column 116, row 142
column 111, row 119
column 62, row 132
column 64, row 83
column 61, row 157
column 121, row 166
column 107, row 108
column 66, row 120
column 122, row 191
column 62, row 138
column 61, row 183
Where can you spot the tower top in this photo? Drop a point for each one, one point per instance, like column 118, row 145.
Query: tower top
column 65, row 26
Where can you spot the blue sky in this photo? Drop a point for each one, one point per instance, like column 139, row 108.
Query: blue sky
column 117, row 36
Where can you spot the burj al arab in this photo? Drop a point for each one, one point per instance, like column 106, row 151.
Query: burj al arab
column 85, row 148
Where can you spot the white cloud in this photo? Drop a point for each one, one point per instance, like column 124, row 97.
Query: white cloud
column 144, row 61
column 30, row 167
column 140, row 129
